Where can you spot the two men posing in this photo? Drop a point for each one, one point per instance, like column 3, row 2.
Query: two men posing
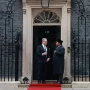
column 44, row 57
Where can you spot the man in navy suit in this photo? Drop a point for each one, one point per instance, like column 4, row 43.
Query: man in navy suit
column 43, row 58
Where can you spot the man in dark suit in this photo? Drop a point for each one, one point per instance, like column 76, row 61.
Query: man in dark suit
column 58, row 61
column 43, row 58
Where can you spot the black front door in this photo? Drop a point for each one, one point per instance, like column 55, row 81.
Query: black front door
column 51, row 33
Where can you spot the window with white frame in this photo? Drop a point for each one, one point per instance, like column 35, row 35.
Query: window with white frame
column 47, row 16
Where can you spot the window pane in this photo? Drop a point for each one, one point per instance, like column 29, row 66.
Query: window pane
column 47, row 17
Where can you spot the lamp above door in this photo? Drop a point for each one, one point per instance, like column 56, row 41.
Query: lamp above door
column 45, row 3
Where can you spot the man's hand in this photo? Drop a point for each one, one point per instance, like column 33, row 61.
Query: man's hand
column 54, row 51
column 48, row 59
column 44, row 54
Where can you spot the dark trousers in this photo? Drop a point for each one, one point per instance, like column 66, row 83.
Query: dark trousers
column 42, row 72
column 59, row 78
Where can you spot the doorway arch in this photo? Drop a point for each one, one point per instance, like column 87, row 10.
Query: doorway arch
column 47, row 16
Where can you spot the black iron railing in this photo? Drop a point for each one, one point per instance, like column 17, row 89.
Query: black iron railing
column 9, row 61
column 81, row 61
column 80, row 56
column 10, row 50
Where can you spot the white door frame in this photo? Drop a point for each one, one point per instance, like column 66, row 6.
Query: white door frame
column 28, row 39
column 47, row 24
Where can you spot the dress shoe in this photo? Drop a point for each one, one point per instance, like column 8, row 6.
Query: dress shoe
column 39, row 82
column 58, row 82
column 43, row 82
column 61, row 82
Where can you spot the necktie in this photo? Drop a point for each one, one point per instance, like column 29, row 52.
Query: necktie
column 45, row 49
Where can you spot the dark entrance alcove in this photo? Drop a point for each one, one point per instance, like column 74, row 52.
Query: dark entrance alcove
column 51, row 33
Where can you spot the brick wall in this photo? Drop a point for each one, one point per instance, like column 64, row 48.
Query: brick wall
column 80, row 19
column 8, row 35
column 17, row 26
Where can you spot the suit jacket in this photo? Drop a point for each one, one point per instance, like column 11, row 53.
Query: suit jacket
column 40, row 50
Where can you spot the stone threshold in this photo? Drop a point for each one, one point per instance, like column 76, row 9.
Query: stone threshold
column 81, row 85
column 27, row 85
column 48, row 82
column 72, row 85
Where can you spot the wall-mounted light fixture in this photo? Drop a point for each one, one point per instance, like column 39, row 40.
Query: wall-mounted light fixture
column 45, row 3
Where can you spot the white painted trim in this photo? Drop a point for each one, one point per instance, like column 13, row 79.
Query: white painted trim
column 81, row 85
column 42, row 24
column 47, row 24
column 51, row 6
column 28, row 36
column 11, row 82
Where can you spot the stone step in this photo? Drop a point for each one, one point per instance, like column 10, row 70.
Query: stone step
column 27, row 85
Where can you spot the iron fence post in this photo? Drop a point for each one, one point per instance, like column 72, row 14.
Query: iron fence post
column 16, row 60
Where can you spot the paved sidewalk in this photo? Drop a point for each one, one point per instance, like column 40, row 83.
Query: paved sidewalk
column 67, row 89
column 76, row 89
column 16, row 88
column 26, row 88
column 81, row 89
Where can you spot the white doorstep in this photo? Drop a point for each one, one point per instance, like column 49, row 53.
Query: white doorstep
column 80, row 84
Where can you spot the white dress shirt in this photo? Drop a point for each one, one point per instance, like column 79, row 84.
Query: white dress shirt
column 45, row 48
